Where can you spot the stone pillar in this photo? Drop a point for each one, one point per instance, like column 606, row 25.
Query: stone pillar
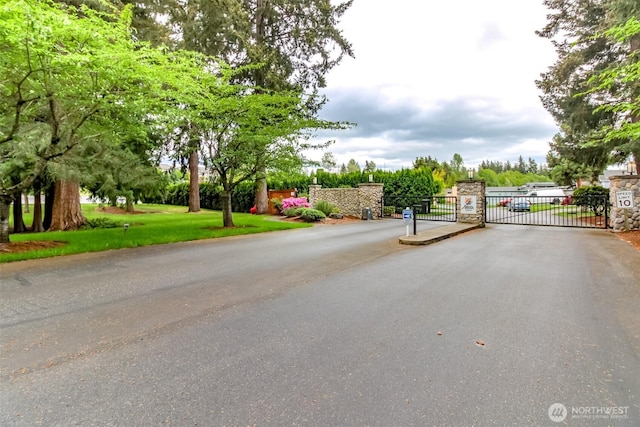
column 369, row 196
column 625, row 219
column 314, row 193
column 471, row 200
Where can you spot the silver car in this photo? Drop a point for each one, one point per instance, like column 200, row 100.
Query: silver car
column 519, row 204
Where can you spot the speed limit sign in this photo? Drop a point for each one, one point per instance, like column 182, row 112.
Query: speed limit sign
column 624, row 199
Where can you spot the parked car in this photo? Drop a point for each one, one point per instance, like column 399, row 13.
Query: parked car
column 504, row 202
column 519, row 204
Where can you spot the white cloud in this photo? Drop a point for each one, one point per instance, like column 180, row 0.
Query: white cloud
column 437, row 78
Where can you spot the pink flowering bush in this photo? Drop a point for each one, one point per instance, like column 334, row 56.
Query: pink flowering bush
column 294, row 203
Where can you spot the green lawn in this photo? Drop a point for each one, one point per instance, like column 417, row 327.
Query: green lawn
column 538, row 207
column 156, row 225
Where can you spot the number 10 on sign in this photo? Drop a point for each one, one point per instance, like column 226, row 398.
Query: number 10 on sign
column 624, row 199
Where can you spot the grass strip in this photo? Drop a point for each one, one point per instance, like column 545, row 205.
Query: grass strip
column 150, row 225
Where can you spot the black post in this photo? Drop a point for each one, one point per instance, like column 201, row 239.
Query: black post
column 607, row 206
column 415, row 220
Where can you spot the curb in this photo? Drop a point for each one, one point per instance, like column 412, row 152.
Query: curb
column 437, row 234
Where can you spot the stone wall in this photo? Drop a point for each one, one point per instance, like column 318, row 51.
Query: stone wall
column 350, row 201
column 625, row 219
column 473, row 189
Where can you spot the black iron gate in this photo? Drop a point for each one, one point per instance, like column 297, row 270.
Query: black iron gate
column 590, row 211
column 432, row 208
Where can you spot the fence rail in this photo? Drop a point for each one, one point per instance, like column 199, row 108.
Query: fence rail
column 436, row 208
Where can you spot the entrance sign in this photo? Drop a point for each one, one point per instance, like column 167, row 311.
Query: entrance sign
column 407, row 215
column 468, row 205
column 624, row 199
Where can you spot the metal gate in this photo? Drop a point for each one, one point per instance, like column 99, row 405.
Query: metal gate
column 432, row 208
column 589, row 211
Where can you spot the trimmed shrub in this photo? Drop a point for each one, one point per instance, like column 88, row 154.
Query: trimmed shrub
column 311, row 215
column 593, row 197
column 291, row 212
column 101, row 223
column 326, row 207
column 277, row 203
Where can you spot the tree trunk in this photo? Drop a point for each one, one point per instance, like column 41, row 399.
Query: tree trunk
column 129, row 204
column 18, row 221
column 227, row 216
column 67, row 211
column 634, row 45
column 37, row 226
column 5, row 201
column 194, row 183
column 262, row 195
column 26, row 202
column 49, row 196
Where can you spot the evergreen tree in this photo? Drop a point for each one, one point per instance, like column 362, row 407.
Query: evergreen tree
column 289, row 45
column 625, row 77
column 328, row 161
column 576, row 30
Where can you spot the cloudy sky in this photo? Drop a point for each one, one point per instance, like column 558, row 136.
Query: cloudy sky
column 434, row 78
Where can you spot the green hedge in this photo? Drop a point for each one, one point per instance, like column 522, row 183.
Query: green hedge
column 401, row 188
column 177, row 194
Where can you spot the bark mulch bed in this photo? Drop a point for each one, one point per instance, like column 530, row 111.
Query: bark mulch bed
column 633, row 237
column 34, row 245
column 118, row 211
column 326, row 221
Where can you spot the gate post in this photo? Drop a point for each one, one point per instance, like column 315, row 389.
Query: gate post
column 625, row 219
column 470, row 208
column 368, row 195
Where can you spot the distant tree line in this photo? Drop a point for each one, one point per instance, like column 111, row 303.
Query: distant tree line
column 495, row 173
column 530, row 166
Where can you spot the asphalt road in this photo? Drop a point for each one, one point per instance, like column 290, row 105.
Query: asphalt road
column 329, row 326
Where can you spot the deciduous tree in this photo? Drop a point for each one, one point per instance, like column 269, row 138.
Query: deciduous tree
column 353, row 166
column 369, row 166
column 69, row 78
column 58, row 70
column 248, row 131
